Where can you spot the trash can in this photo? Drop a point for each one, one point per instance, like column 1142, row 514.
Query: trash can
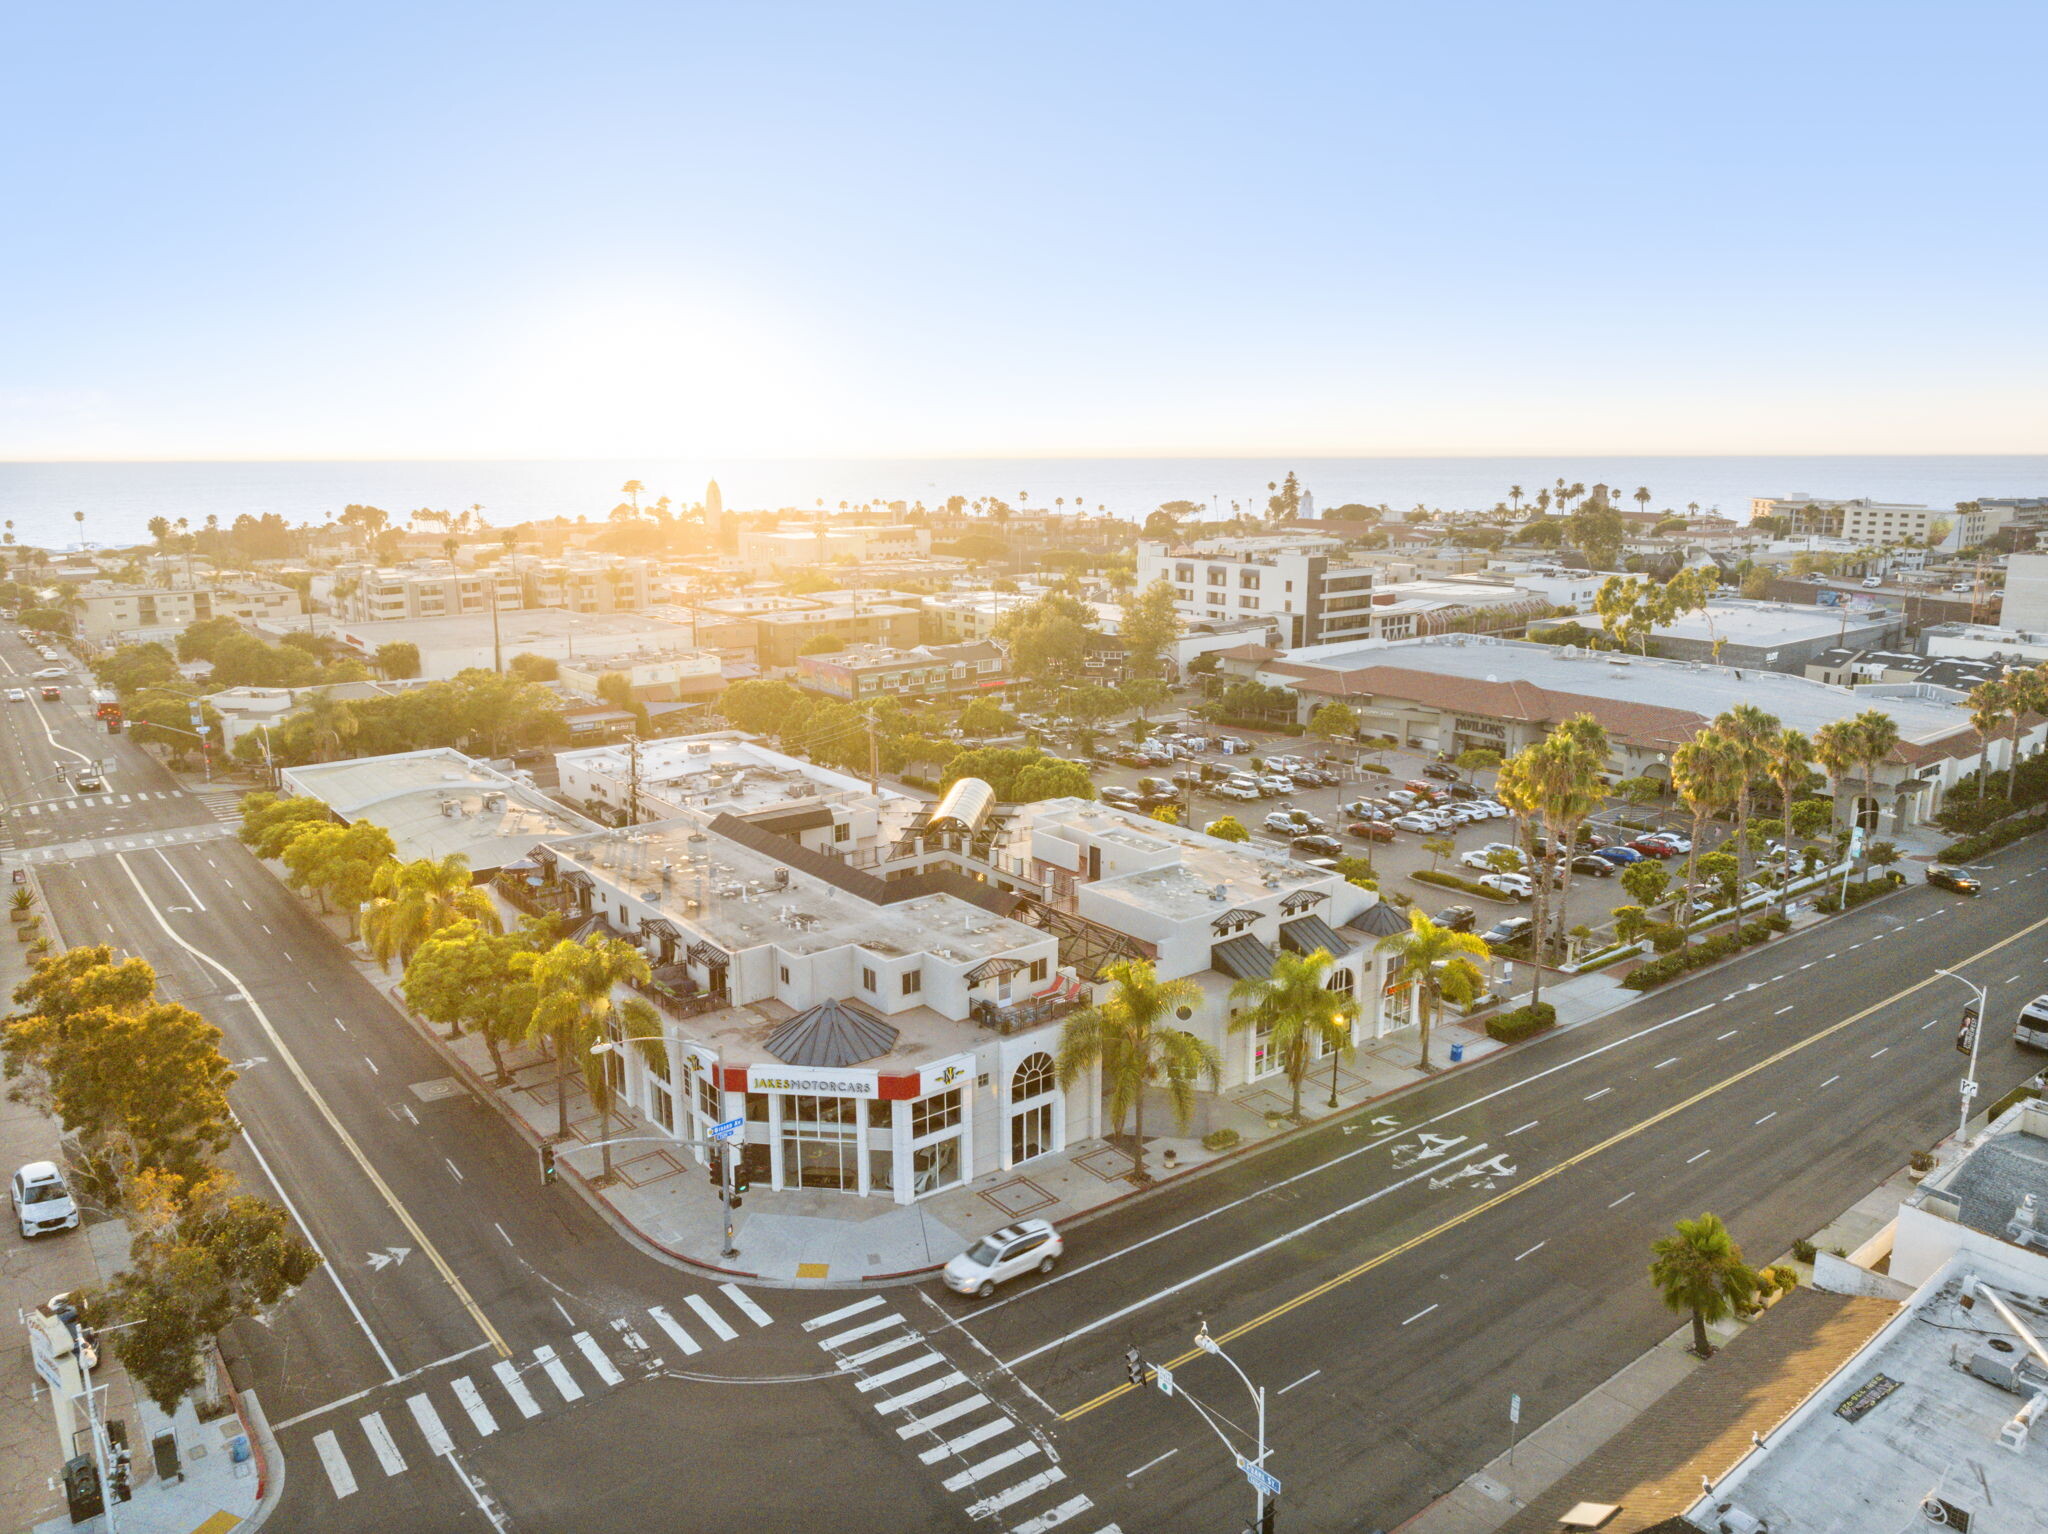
column 238, row 1448
column 1457, row 1054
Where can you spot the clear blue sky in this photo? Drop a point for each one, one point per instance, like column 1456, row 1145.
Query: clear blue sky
column 767, row 229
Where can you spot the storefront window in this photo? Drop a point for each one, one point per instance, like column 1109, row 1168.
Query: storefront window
column 1033, row 1077
column 820, row 1142
column 1030, row 1132
column 1341, row 981
column 935, row 1166
column 664, row 1104
column 930, row 1115
column 707, row 1098
column 1262, row 1052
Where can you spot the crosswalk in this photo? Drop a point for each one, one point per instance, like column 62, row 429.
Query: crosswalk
column 224, row 805
column 392, row 1441
column 981, row 1452
column 110, row 800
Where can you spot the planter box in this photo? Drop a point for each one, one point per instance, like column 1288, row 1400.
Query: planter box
column 26, row 933
column 24, row 913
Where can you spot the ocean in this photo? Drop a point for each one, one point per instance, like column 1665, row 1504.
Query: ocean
column 39, row 500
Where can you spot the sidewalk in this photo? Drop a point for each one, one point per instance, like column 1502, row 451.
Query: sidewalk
column 215, row 1491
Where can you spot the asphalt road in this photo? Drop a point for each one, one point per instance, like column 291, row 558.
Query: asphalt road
column 484, row 1353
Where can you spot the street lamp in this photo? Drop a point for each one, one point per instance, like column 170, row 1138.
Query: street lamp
column 1262, row 1479
column 1973, row 1025
column 719, row 1144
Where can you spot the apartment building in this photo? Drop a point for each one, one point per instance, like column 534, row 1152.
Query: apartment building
column 1301, row 583
column 117, row 614
column 777, row 628
column 924, row 671
column 779, row 550
column 1860, row 521
column 440, row 588
column 655, row 675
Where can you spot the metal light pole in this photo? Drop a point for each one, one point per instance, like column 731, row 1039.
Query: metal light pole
column 1211, row 1346
column 1975, row 1026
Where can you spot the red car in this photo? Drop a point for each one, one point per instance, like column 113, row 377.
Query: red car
column 1650, row 847
column 1370, row 830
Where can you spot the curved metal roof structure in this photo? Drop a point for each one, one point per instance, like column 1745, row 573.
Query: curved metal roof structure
column 833, row 1033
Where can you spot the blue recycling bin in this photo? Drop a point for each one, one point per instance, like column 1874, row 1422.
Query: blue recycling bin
column 1457, row 1054
column 238, row 1448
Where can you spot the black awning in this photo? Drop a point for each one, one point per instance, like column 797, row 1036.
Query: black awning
column 1301, row 900
column 1242, row 958
column 660, row 926
column 704, row 953
column 1305, row 934
column 1378, row 920
column 995, row 969
column 1239, row 916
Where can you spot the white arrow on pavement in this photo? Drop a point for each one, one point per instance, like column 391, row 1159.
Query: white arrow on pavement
column 243, row 1065
column 1383, row 1119
column 379, row 1261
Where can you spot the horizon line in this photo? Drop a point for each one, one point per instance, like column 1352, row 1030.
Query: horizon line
column 1138, row 457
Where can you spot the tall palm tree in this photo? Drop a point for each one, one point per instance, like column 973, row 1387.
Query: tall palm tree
column 579, row 1007
column 1991, row 703
column 412, row 901
column 1790, row 755
column 2029, row 701
column 1698, row 1269
column 1705, row 771
column 1515, row 495
column 1574, row 787
column 1834, row 747
column 1642, row 497
column 1130, row 1034
column 1750, row 730
column 1519, row 784
column 1440, row 964
column 1295, row 1008
column 1877, row 737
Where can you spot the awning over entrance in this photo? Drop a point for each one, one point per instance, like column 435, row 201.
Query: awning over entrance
column 1378, row 920
column 1305, row 934
column 832, row 1034
column 995, row 969
column 1242, row 958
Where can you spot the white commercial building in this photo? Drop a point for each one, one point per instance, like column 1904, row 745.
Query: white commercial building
column 1859, row 521
column 440, row 588
column 2026, row 593
column 114, row 614
column 1300, row 583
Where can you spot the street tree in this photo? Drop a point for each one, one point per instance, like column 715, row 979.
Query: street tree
column 1699, row 1271
column 1751, row 731
column 133, row 667
column 1707, row 772
column 578, row 1007
column 399, row 660
column 1439, row 848
column 760, row 707
column 1646, row 882
column 471, row 980
column 79, row 980
column 339, row 863
column 1228, row 828
column 269, row 822
column 202, row 1257
column 983, row 716
column 1295, row 1014
column 1876, row 737
column 1438, row 963
column 1834, row 748
column 1334, row 722
column 1131, row 1034
column 412, row 901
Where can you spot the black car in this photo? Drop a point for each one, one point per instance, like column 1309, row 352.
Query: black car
column 1459, row 918
column 1318, row 845
column 1509, row 929
column 1952, row 879
column 1464, row 791
column 1122, row 798
column 1440, row 772
column 1599, row 868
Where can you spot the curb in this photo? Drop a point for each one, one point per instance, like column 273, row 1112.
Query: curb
column 270, row 1467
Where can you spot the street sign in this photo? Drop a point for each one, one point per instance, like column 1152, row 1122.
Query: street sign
column 1269, row 1484
column 1164, row 1376
column 1514, row 1408
column 728, row 1130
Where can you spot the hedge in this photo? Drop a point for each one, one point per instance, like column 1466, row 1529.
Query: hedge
column 1830, row 903
column 2004, row 834
column 1374, row 767
column 1463, row 886
column 1525, row 1022
column 1657, row 971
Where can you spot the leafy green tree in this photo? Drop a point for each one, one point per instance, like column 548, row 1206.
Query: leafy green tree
column 1811, row 818
column 165, row 719
column 1149, row 625
column 202, row 1257
column 1334, row 722
column 412, row 901
column 1881, row 855
column 398, row 660
column 339, row 863
column 1144, row 693
column 1131, row 1035
column 1440, row 847
column 1597, row 530
column 270, row 822
column 1479, row 759
column 534, row 668
column 46, row 620
column 575, row 983
column 1228, row 828
column 761, row 707
column 243, row 660
column 133, row 667
column 81, row 980
column 1298, row 1012
column 1439, row 964
column 1630, row 923
column 1050, row 779
column 1358, row 871
column 1698, row 1270
column 1047, row 638
column 501, row 711
column 984, row 716
column 471, row 980
column 1646, row 882
column 1707, row 772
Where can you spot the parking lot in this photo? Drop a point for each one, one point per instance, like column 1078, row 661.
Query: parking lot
column 1589, row 902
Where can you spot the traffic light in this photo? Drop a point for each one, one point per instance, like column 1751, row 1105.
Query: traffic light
column 547, row 1163
column 1134, row 1366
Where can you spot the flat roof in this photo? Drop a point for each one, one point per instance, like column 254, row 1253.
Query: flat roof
column 666, row 626
column 1759, row 624
column 721, row 771
column 406, row 795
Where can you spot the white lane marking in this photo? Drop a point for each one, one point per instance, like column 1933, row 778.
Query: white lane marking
column 1689, row 1160
column 1622, row 1200
column 1017, row 1493
column 1781, row 1011
column 1831, row 1081
column 1807, row 965
column 372, row 1064
column 677, row 1335
column 341, row 1025
column 1073, row 1507
column 1601, row 1093
column 922, row 1393
column 335, row 1464
column 1530, row 1125
column 1929, row 1024
column 867, row 1356
column 473, row 1403
column 841, row 1314
column 968, row 1440
column 939, row 1419
column 1766, row 1118
column 901, row 1371
column 558, row 1373
column 2011, row 980
column 1302, row 1381
column 606, row 1369
column 854, row 1334
column 710, row 1317
column 1881, row 1051
column 1433, row 1169
column 380, row 1440
column 515, row 1387
column 190, row 893
column 994, row 1466
column 1728, row 1035
column 1132, row 1475
column 744, row 1303
column 1419, row 1314
column 430, row 1424
column 501, row 1231
column 1539, row 1246
column 456, row 1170
column 1662, row 1063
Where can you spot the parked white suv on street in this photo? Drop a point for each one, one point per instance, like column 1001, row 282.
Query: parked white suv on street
column 42, row 1202
column 1002, row 1255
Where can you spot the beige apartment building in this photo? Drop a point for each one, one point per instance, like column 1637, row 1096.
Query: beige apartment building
column 114, row 614
column 439, row 588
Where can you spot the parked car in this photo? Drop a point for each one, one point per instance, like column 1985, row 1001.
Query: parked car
column 1621, row 856
column 1514, row 886
column 1213, row 772
column 1481, row 858
column 1672, row 839
column 1122, row 798
column 1273, row 783
column 1464, row 791
column 1441, row 773
column 1288, row 822
column 1955, row 879
column 1235, row 790
column 16, row 695
column 42, row 1201
column 1414, row 823
column 1364, row 809
column 1404, row 798
column 1650, row 847
column 1317, row 844
column 1417, row 786
column 1000, row 1256
column 1371, row 830
column 1591, row 863
column 1459, row 918
column 1507, row 930
column 2031, row 1030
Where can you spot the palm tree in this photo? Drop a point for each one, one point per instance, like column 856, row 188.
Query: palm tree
column 330, row 722
column 1699, row 1269
column 1294, row 1007
column 1877, row 737
column 1518, row 784
column 1706, row 771
column 1790, row 758
column 1515, row 495
column 1834, row 747
column 1750, row 731
column 578, row 1008
column 1642, row 497
column 630, row 489
column 1129, row 1033
column 412, row 901
column 2029, row 700
column 1991, row 703
column 1574, row 787
column 1440, row 962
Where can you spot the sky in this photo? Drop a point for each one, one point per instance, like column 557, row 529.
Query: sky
column 434, row 230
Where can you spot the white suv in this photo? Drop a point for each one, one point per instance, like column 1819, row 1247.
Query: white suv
column 41, row 1200
column 1002, row 1255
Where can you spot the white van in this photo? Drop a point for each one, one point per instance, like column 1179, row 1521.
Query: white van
column 2031, row 1031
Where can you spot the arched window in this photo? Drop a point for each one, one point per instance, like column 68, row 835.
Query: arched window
column 1033, row 1077
column 1341, row 981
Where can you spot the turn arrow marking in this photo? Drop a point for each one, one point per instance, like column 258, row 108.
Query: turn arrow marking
column 396, row 1255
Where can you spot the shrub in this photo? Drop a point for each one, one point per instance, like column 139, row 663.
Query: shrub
column 1665, row 937
column 1783, row 1277
column 1374, row 767
column 1523, row 1023
column 2004, row 834
column 1831, row 902
column 1804, row 1250
column 1220, row 1139
column 1923, row 1161
column 1453, row 882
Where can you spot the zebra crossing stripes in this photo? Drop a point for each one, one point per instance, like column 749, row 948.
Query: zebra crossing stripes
column 480, row 1417
column 744, row 1305
column 833, row 1317
column 515, row 1387
column 382, row 1444
column 558, row 1374
column 710, row 1317
column 676, row 1334
column 606, row 1369
column 429, row 1420
column 335, row 1463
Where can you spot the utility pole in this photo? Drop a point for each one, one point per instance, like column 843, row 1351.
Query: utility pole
column 633, row 780
column 874, row 757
